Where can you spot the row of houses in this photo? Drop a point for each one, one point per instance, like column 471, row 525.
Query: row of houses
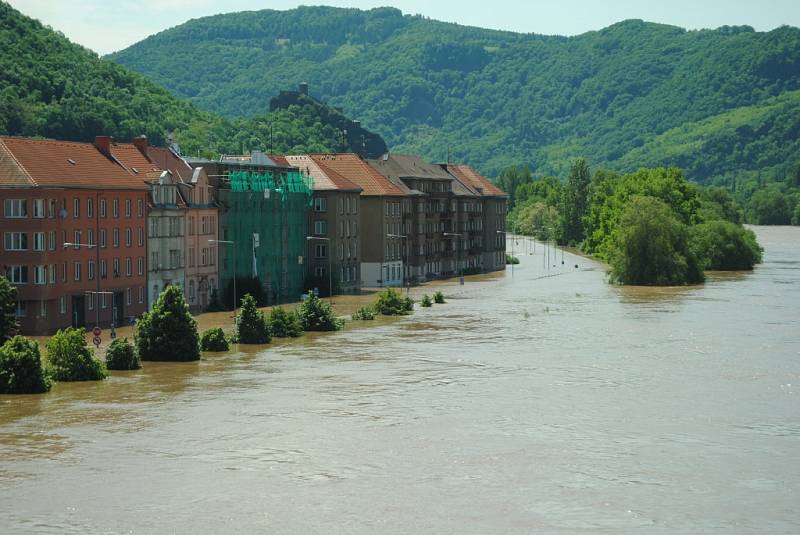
column 93, row 232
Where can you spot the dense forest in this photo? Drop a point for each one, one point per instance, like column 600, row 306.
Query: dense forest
column 721, row 104
column 50, row 87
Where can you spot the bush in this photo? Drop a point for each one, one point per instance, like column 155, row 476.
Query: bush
column 317, row 315
column 364, row 314
column 512, row 259
column 8, row 309
column 21, row 370
column 214, row 340
column 168, row 332
column 438, row 298
column 251, row 325
column 391, row 303
column 722, row 245
column 121, row 355
column 426, row 301
column 651, row 246
column 284, row 324
column 70, row 359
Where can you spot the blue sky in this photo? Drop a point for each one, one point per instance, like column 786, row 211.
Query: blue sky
column 109, row 25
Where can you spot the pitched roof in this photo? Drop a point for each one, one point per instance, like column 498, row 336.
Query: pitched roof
column 356, row 170
column 137, row 163
column 399, row 166
column 474, row 180
column 26, row 162
column 164, row 158
column 325, row 179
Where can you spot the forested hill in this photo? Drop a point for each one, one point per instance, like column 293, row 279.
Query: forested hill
column 498, row 98
column 50, row 87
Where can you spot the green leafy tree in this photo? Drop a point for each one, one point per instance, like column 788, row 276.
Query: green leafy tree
column 390, row 302
column 121, row 355
column 8, row 308
column 214, row 340
column 426, row 302
column 317, row 315
column 285, row 324
column 770, row 207
column 252, row 326
column 364, row 314
column 168, row 332
column 651, row 246
column 69, row 358
column 722, row 245
column 21, row 370
column 537, row 219
column 438, row 298
column 574, row 203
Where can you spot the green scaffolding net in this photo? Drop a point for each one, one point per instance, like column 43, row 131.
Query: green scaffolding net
column 265, row 215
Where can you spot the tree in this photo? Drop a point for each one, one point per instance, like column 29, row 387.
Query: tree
column 722, row 245
column 8, row 309
column 317, row 315
column 251, row 325
column 391, row 303
column 285, row 324
column 438, row 298
column 21, row 370
column 537, row 219
column 168, row 332
column 651, row 246
column 770, row 207
column 69, row 358
column 214, row 340
column 121, row 355
column 574, row 203
column 512, row 178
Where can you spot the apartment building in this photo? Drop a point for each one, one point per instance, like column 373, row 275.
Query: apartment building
column 55, row 193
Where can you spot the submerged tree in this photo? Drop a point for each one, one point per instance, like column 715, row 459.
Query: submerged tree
column 251, row 325
column 8, row 307
column 21, row 370
column 69, row 358
column 168, row 332
column 574, row 203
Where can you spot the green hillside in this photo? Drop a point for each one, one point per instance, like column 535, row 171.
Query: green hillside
column 498, row 98
column 50, row 87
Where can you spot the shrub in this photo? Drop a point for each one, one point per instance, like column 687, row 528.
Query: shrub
column 251, row 325
column 8, row 308
column 391, row 303
column 168, row 332
column 512, row 259
column 285, row 324
column 70, row 359
column 364, row 314
column 426, row 301
column 214, row 340
column 121, row 355
column 438, row 298
column 317, row 315
column 722, row 245
column 21, row 370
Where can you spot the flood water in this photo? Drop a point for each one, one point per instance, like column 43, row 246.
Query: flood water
column 547, row 402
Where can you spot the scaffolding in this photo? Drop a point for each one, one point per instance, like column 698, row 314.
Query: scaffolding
column 266, row 217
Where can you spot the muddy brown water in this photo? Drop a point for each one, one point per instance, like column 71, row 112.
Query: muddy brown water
column 545, row 402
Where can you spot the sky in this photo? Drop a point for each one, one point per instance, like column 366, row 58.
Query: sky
column 109, row 25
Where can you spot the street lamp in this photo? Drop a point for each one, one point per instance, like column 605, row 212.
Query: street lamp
column 405, row 259
column 230, row 242
column 458, row 259
column 330, row 264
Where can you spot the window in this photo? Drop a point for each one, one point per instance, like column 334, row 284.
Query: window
column 140, row 208
column 141, row 236
column 90, row 301
column 128, row 237
column 51, row 208
column 341, row 205
column 341, row 228
column 103, row 300
column 320, row 204
column 115, row 207
column 348, row 205
column 319, row 272
column 16, row 241
column 128, row 296
column 191, row 290
column 90, row 237
column 90, row 270
column 141, row 294
column 341, row 251
column 116, row 267
column 128, row 206
column 174, row 258
column 116, row 237
column 203, row 225
column 191, row 225
column 204, row 257
column 16, row 208
column 64, row 272
column 102, row 207
column 321, row 250
column 21, row 309
column 140, row 265
column 103, row 269
column 128, row 267
column 77, row 271
column 191, row 256
column 52, row 274
column 17, row 274
column 76, row 208
column 38, row 208
column 40, row 274
column 320, row 227
column 62, row 305
column 90, row 208
column 102, row 237
column 77, row 239
column 355, row 205
column 43, row 309
column 154, row 265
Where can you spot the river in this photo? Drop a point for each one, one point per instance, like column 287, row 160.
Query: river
column 547, row 402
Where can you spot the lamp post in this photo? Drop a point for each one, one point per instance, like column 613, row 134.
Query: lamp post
column 458, row 257
column 230, row 242
column 405, row 259
column 330, row 264
column 96, row 274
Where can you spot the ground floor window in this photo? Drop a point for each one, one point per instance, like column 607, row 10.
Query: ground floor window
column 62, row 305
column 21, row 309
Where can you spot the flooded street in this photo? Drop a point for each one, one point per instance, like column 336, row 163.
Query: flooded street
column 548, row 402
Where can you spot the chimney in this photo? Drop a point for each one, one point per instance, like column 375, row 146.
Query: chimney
column 140, row 142
column 303, row 88
column 103, row 144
